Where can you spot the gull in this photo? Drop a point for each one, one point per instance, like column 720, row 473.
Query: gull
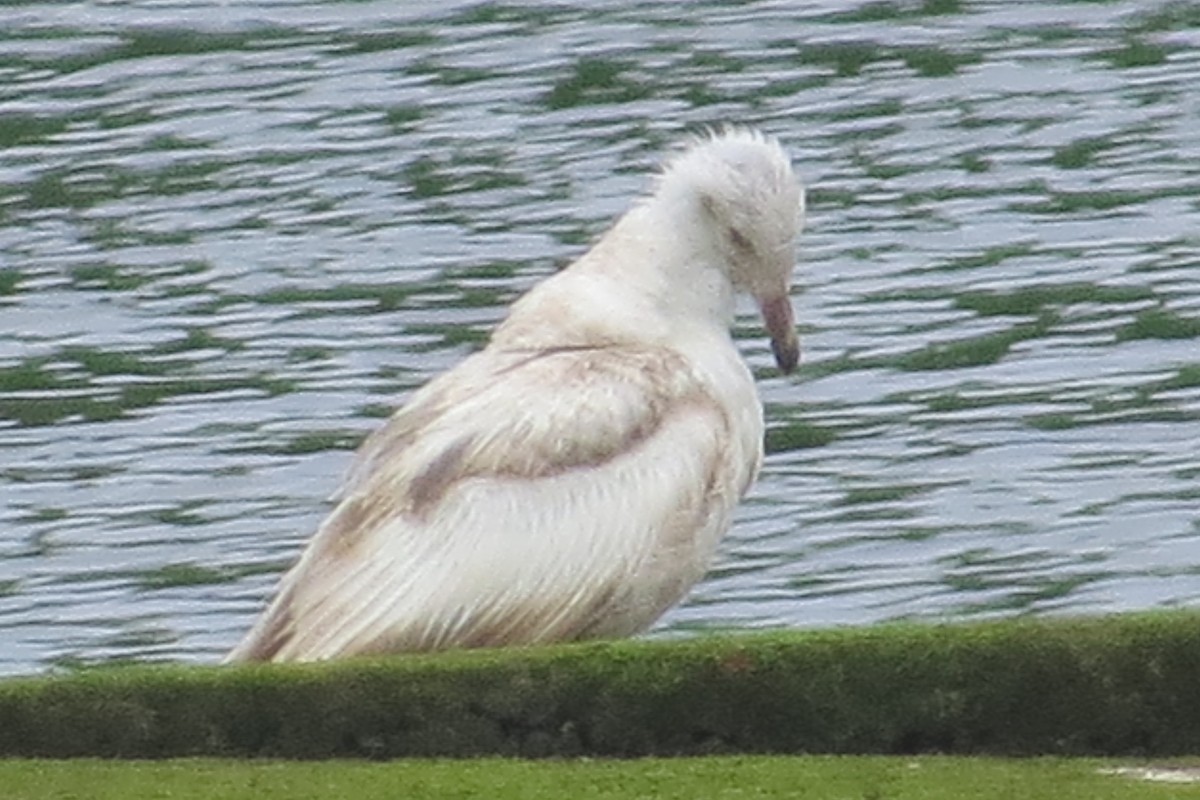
column 572, row 479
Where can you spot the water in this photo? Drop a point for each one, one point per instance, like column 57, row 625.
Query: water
column 232, row 236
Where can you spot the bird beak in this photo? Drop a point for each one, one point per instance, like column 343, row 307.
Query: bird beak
column 781, row 327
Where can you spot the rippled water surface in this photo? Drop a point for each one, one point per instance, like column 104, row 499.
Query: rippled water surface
column 233, row 236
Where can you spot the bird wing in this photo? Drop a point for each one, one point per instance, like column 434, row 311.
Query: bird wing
column 523, row 497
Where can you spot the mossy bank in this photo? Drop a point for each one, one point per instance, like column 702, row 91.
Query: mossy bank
column 1122, row 685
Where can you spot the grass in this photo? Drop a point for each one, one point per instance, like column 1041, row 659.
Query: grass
column 860, row 778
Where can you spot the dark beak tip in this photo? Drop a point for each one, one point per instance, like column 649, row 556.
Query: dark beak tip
column 778, row 320
column 787, row 355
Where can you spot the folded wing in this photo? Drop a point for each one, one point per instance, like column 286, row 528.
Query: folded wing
column 524, row 497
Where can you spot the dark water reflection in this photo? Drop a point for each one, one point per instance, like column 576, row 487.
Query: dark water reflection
column 233, row 235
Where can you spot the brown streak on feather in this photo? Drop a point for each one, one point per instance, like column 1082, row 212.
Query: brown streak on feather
column 275, row 635
column 660, row 376
column 267, row 649
column 544, row 462
column 396, row 435
column 522, row 458
column 348, row 524
column 531, row 623
column 427, row 489
column 599, row 609
column 522, row 625
column 532, row 355
column 692, row 510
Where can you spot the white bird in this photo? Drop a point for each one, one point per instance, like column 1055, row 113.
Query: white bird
column 572, row 479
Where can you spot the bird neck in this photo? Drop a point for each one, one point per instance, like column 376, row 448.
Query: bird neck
column 663, row 256
column 648, row 280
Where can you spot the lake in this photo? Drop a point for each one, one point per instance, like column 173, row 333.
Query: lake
column 235, row 235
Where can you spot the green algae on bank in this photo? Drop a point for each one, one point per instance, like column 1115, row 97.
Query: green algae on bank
column 927, row 778
column 1123, row 685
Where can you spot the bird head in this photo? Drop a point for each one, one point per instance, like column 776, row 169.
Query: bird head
column 752, row 207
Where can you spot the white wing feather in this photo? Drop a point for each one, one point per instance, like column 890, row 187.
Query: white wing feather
column 585, row 508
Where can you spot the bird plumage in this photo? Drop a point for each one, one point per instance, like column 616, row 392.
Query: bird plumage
column 572, row 479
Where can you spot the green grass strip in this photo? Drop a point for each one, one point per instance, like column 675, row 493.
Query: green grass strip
column 861, row 778
column 1121, row 685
